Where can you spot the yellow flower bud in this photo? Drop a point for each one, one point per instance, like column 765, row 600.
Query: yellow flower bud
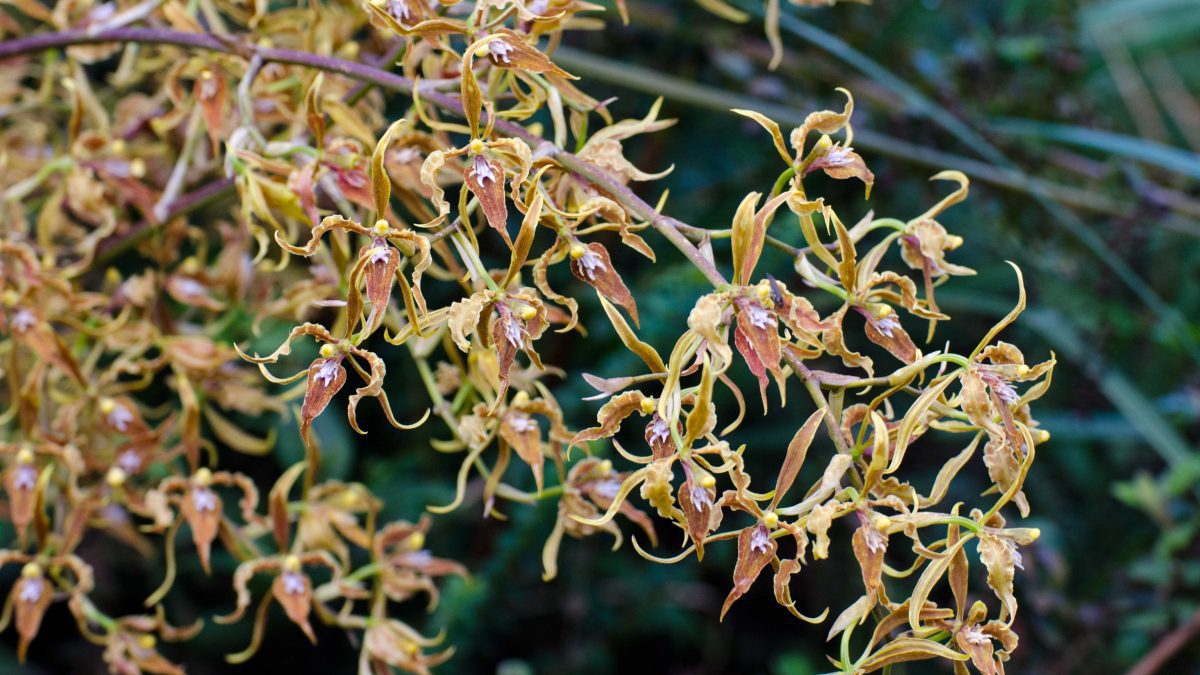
column 520, row 400
column 11, row 297
column 416, row 541
column 31, row 570
column 118, row 146
column 708, row 482
column 882, row 310
column 115, row 477
column 771, row 519
column 476, row 147
column 189, row 265
column 881, row 522
column 481, row 51
column 527, row 312
column 146, row 641
column 203, row 476
column 605, row 466
column 25, row 456
column 1022, row 370
column 328, row 351
column 577, row 251
column 953, row 241
column 763, row 292
column 648, row 405
column 107, row 406
column 382, row 228
column 291, row 563
column 137, row 167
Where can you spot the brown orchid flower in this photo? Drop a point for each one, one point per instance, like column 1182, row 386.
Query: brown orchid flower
column 592, row 488
column 389, row 643
column 20, row 482
column 199, row 505
column 377, row 267
column 512, row 322
column 292, row 589
column 131, row 645
column 331, row 509
column 407, row 565
column 326, row 375
column 487, row 167
column 836, row 160
column 34, row 590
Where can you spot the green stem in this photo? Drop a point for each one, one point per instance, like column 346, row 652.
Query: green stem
column 782, row 181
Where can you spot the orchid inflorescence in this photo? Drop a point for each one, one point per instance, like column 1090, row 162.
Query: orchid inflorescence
column 126, row 386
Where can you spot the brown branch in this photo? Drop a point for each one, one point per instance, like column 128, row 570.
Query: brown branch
column 601, row 179
column 1168, row 647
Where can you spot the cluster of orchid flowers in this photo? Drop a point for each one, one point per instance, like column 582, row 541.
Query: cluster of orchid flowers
column 91, row 447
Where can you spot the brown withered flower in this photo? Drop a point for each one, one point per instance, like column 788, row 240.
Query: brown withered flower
column 292, row 588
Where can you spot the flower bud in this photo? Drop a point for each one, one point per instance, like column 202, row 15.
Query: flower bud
column 648, row 406
column 381, row 228
column 203, row 477
column 137, row 167
column 476, row 146
column 107, row 406
column 328, row 350
column 577, row 251
column 291, row 563
column 708, row 482
column 771, row 519
column 527, row 312
column 25, row 456
column 31, row 570
column 605, row 466
column 190, row 265
column 763, row 293
column 416, row 541
column 881, row 522
column 115, row 477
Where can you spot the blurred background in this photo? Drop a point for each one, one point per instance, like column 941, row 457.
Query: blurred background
column 1078, row 123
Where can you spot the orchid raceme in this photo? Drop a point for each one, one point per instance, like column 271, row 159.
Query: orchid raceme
column 449, row 242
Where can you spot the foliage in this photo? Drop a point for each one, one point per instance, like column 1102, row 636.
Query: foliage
column 125, row 315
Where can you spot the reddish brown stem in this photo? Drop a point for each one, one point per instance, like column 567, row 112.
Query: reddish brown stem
column 1168, row 648
column 601, row 179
